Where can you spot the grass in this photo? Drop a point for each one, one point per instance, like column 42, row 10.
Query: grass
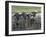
column 25, row 9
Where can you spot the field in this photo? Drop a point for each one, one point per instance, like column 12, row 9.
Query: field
column 26, row 9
